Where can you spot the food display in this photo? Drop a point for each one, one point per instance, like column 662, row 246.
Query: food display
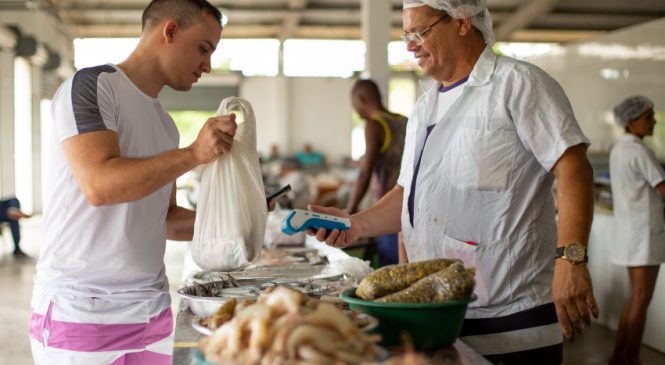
column 452, row 283
column 287, row 327
column 228, row 310
column 393, row 278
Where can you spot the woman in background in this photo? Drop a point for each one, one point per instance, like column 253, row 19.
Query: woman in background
column 638, row 184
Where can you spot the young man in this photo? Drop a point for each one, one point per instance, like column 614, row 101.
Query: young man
column 100, row 293
column 483, row 146
column 379, row 168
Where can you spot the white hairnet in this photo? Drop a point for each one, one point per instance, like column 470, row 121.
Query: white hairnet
column 462, row 9
column 631, row 108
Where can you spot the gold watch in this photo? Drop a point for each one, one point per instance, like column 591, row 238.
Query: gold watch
column 573, row 253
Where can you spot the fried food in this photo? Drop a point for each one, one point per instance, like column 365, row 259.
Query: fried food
column 393, row 278
column 287, row 327
column 452, row 283
column 221, row 316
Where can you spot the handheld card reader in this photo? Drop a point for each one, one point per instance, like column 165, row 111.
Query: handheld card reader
column 300, row 220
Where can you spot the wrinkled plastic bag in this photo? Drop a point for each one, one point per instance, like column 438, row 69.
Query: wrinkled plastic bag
column 356, row 268
column 231, row 213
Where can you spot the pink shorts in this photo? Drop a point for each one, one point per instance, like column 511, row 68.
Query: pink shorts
column 69, row 330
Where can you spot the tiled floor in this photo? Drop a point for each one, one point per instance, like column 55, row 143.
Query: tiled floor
column 593, row 347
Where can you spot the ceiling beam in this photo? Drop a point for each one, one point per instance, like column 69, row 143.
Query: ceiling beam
column 292, row 20
column 529, row 10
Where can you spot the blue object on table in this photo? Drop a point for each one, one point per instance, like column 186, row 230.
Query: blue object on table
column 300, row 220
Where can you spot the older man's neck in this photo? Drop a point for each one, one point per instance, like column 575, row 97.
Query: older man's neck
column 465, row 63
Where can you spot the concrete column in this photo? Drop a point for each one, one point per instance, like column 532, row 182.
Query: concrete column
column 7, row 186
column 376, row 24
column 36, row 78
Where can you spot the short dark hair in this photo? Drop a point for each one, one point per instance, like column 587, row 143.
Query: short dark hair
column 184, row 12
column 367, row 88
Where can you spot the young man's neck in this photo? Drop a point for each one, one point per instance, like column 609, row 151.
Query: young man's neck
column 142, row 72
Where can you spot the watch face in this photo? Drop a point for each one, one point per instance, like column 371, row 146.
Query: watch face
column 575, row 252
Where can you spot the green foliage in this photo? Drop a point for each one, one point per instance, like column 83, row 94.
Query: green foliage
column 189, row 122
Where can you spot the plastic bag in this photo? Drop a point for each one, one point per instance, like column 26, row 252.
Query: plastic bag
column 231, row 213
column 275, row 237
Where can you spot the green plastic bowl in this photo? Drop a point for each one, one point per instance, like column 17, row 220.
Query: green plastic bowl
column 428, row 325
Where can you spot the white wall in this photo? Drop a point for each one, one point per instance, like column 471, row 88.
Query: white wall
column 632, row 62
column 598, row 74
column 293, row 111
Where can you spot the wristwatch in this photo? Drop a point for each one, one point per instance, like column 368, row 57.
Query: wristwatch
column 573, row 253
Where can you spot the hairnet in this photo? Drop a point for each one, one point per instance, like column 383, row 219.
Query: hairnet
column 631, row 108
column 462, row 9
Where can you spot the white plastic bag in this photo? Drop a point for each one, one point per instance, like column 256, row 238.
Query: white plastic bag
column 275, row 237
column 231, row 213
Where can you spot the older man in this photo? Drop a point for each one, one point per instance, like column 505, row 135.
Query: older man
column 484, row 144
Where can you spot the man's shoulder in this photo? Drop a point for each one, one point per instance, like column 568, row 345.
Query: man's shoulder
column 92, row 72
column 515, row 67
column 90, row 76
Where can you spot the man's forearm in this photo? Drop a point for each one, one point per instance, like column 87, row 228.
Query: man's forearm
column 384, row 217
column 574, row 193
column 120, row 179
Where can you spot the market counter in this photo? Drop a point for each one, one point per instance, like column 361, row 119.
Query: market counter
column 186, row 339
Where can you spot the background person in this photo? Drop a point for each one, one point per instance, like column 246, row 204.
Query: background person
column 484, row 144
column 10, row 212
column 379, row 167
column 638, row 187
column 308, row 157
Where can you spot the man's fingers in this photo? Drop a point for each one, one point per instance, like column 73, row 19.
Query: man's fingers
column 564, row 321
column 226, row 124
column 341, row 239
column 583, row 311
column 332, row 237
column 321, row 235
column 574, row 316
column 591, row 302
column 226, row 139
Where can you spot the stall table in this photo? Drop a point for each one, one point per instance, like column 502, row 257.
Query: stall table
column 186, row 338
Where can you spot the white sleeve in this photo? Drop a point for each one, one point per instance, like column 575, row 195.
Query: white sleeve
column 647, row 166
column 85, row 103
column 543, row 116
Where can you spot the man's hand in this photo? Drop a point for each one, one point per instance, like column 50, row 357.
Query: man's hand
column 335, row 238
column 573, row 297
column 215, row 138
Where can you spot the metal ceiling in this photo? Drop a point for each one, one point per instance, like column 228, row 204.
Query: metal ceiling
column 514, row 20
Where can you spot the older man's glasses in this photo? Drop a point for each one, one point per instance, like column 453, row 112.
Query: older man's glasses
column 419, row 37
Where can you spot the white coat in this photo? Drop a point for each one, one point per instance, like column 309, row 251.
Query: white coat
column 638, row 206
column 484, row 188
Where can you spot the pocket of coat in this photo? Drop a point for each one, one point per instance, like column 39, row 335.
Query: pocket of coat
column 492, row 262
column 483, row 159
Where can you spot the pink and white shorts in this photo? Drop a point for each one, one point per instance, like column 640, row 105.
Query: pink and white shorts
column 71, row 330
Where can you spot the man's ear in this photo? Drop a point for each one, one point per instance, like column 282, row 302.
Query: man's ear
column 464, row 26
column 168, row 31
